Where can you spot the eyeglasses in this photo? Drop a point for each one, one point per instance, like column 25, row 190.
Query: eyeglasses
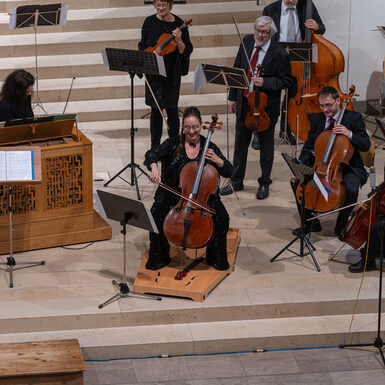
column 161, row 6
column 260, row 32
column 327, row 105
column 189, row 128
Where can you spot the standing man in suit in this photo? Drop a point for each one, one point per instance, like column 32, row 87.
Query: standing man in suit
column 354, row 174
column 275, row 75
column 284, row 13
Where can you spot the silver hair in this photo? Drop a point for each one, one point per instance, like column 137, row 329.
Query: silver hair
column 263, row 20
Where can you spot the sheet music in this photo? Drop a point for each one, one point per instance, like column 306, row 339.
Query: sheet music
column 16, row 165
column 320, row 186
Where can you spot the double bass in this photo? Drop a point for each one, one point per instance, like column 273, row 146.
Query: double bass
column 332, row 153
column 311, row 78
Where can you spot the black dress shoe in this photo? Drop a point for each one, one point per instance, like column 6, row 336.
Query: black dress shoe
column 255, row 142
column 229, row 189
column 263, row 192
column 359, row 266
column 156, row 265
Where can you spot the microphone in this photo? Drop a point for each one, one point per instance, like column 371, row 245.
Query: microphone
column 372, row 177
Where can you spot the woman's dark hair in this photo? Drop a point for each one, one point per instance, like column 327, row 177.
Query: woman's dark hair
column 15, row 86
column 188, row 112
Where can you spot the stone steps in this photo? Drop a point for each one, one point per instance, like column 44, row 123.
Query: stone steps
column 212, row 337
column 74, row 50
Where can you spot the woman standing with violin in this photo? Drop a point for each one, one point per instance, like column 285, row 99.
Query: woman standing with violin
column 166, row 90
column 174, row 154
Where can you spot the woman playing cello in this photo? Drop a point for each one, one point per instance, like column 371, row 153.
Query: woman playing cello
column 174, row 154
column 166, row 90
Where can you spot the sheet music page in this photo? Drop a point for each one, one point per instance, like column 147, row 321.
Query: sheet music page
column 3, row 172
column 320, row 186
column 18, row 165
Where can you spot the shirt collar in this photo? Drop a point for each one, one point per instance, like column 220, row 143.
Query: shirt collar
column 285, row 7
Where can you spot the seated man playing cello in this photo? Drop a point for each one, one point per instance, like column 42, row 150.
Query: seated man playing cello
column 354, row 174
column 174, row 154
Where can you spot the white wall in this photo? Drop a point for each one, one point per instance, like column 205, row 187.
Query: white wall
column 349, row 25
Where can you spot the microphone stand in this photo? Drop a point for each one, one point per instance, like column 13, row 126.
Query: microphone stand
column 378, row 342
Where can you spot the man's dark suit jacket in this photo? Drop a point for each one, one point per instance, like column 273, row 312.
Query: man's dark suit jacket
column 274, row 11
column 275, row 70
column 352, row 120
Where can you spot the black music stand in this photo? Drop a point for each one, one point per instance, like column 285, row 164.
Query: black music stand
column 17, row 170
column 127, row 212
column 134, row 63
column 226, row 76
column 34, row 16
column 305, row 174
column 378, row 342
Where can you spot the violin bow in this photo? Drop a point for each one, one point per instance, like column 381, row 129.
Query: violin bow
column 194, row 202
column 156, row 101
column 243, row 45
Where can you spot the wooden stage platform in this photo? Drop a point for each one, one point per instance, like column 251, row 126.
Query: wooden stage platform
column 199, row 281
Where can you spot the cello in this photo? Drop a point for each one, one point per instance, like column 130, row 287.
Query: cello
column 186, row 225
column 332, row 152
column 356, row 232
column 311, row 78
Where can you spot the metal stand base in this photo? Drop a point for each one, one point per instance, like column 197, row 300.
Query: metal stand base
column 11, row 263
column 134, row 178
column 124, row 292
column 303, row 241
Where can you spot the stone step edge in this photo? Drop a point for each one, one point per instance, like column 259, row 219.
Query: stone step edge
column 213, row 337
column 114, row 316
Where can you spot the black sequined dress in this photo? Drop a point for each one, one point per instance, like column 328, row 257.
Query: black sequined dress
column 172, row 163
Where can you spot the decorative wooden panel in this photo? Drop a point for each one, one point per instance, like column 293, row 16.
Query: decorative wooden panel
column 24, row 199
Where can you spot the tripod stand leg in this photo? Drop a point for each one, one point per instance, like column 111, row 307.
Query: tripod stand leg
column 117, row 175
column 134, row 180
column 285, row 248
column 310, row 248
column 110, row 300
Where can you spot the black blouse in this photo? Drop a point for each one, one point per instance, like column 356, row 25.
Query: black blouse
column 9, row 110
column 173, row 161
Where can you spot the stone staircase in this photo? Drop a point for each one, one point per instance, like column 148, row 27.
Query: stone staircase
column 73, row 50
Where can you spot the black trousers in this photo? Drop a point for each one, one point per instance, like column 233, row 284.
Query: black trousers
column 216, row 253
column 352, row 185
column 374, row 242
column 241, row 145
column 156, row 124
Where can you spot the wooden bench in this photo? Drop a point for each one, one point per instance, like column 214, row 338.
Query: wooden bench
column 44, row 362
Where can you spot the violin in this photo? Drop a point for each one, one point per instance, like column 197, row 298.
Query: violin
column 357, row 229
column 186, row 224
column 166, row 43
column 311, row 78
column 257, row 118
column 332, row 152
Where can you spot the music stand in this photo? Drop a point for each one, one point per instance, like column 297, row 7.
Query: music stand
column 306, row 175
column 135, row 63
column 33, row 16
column 302, row 53
column 376, row 128
column 127, row 212
column 18, row 165
column 227, row 76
